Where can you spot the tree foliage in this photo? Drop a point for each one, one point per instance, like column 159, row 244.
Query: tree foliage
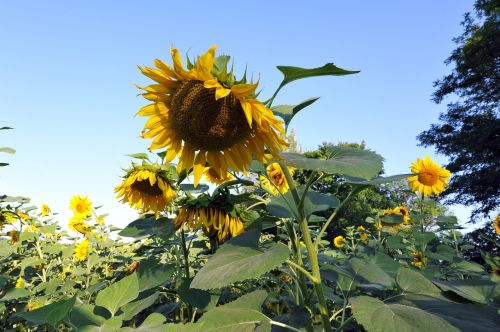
column 469, row 131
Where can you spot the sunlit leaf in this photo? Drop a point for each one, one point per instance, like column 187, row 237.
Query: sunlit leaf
column 118, row 294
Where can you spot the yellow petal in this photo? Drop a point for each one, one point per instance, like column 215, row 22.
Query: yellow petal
column 199, row 166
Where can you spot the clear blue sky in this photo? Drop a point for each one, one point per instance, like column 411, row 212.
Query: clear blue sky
column 68, row 70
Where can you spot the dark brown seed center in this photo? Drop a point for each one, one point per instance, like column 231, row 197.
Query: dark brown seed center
column 145, row 187
column 206, row 123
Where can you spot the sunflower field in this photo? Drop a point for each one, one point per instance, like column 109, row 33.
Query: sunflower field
column 234, row 233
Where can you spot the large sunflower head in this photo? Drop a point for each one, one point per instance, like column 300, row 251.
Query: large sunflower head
column 216, row 216
column 203, row 114
column 429, row 177
column 146, row 187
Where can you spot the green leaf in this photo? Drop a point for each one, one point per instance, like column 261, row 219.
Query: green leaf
column 140, row 228
column 241, row 315
column 287, row 112
column 118, row 294
column 133, row 308
column 87, row 314
column 348, row 161
column 377, row 180
column 52, row 314
column 233, row 263
column 461, row 316
column 5, row 128
column 5, row 248
column 392, row 219
column 376, row 315
column 394, row 242
column 367, row 274
column 190, row 187
column 14, row 294
column 141, row 156
column 111, row 325
column 7, row 150
column 411, row 281
column 295, row 73
column 198, row 298
column 152, row 274
column 477, row 290
column 154, row 322
column 284, row 206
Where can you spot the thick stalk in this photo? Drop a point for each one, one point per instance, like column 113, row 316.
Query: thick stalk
column 185, row 253
column 311, row 250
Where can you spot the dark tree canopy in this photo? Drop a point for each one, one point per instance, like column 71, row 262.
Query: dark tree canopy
column 469, row 131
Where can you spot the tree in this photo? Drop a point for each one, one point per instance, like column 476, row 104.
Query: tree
column 469, row 130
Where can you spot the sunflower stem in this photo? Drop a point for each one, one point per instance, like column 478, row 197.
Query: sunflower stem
column 311, row 250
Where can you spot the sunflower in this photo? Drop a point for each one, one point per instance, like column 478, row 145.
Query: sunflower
column 81, row 205
column 212, row 176
column 45, row 210
column 77, row 223
column 275, row 181
column 14, row 236
column 81, row 250
column 418, row 259
column 202, row 114
column 496, row 224
column 19, row 283
column 217, row 216
column 429, row 178
column 147, row 188
column 363, row 235
column 339, row 241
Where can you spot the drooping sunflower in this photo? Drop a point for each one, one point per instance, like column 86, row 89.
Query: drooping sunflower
column 429, row 177
column 217, row 217
column 496, row 224
column 203, row 114
column 146, row 187
column 81, row 205
column 275, row 180
column 339, row 241
column 77, row 223
column 212, row 176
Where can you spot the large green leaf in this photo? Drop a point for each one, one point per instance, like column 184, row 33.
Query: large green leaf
column 118, row 294
column 477, row 290
column 363, row 164
column 463, row 316
column 284, row 206
column 239, row 261
column 411, row 281
column 52, row 314
column 14, row 293
column 198, row 298
column 152, row 274
column 291, row 73
column 368, row 274
column 140, row 228
column 377, row 180
column 87, row 314
column 111, row 325
column 5, row 248
column 133, row 308
column 287, row 112
column 7, row 150
column 241, row 315
column 152, row 323
column 376, row 315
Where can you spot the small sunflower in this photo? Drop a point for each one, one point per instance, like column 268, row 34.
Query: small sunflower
column 277, row 179
column 217, row 217
column 19, row 282
column 14, row 236
column 147, row 188
column 363, row 235
column 496, row 224
column 81, row 250
column 429, row 178
column 77, row 223
column 339, row 241
column 212, row 176
column 203, row 114
column 418, row 259
column 100, row 219
column 44, row 210
column 81, row 205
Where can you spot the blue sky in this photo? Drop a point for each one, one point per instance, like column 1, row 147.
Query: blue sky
column 69, row 69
